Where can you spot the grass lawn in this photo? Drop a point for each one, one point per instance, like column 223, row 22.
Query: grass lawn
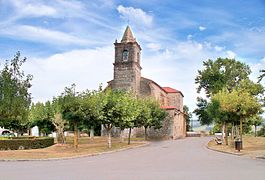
column 86, row 147
column 252, row 147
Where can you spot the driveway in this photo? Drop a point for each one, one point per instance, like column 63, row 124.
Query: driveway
column 176, row 159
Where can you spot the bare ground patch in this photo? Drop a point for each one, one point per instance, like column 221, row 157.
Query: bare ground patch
column 86, row 147
column 253, row 147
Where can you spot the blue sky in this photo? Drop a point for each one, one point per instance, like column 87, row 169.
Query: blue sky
column 72, row 41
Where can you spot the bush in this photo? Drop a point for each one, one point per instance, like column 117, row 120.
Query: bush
column 15, row 143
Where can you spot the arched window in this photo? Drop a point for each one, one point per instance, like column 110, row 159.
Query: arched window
column 125, row 55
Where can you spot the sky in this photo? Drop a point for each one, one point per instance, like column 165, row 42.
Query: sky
column 71, row 41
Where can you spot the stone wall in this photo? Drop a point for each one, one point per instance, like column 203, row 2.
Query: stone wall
column 166, row 132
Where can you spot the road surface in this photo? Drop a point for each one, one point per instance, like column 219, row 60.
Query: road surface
column 176, row 159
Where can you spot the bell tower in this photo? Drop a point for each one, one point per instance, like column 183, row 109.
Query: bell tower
column 127, row 68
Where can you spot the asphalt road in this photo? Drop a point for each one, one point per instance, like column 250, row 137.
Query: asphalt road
column 179, row 159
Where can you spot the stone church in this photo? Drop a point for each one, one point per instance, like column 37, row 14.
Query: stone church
column 127, row 76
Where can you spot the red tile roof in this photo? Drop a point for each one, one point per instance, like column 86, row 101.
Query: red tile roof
column 170, row 90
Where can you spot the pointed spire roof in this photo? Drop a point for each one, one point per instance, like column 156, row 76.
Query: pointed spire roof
column 128, row 36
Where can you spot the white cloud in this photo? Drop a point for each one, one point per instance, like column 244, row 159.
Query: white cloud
column 255, row 68
column 86, row 68
column 33, row 9
column 218, row 48
column 135, row 15
column 39, row 34
column 153, row 46
column 202, row 28
column 231, row 54
column 189, row 37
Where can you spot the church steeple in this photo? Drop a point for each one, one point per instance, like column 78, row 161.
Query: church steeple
column 127, row 36
column 127, row 68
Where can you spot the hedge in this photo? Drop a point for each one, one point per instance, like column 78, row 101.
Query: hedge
column 26, row 143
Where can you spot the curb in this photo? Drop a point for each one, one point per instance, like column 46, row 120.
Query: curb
column 75, row 157
column 225, row 152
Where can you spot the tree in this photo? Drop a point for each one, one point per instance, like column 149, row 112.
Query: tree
column 14, row 96
column 262, row 75
column 221, row 79
column 71, row 110
column 41, row 116
column 202, row 113
column 188, row 118
column 130, row 111
column 238, row 102
column 60, row 125
column 151, row 115
column 112, row 111
column 221, row 73
column 256, row 121
column 58, row 121
column 91, row 107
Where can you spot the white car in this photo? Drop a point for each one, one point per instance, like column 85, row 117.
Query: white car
column 6, row 133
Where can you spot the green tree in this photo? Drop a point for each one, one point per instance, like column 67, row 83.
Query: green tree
column 202, row 113
column 58, row 121
column 91, row 107
column 221, row 73
column 188, row 117
column 130, row 111
column 71, row 109
column 118, row 110
column 151, row 115
column 14, row 96
column 60, row 125
column 41, row 115
column 238, row 102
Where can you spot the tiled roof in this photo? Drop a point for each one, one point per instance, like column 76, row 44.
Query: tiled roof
column 165, row 89
column 170, row 90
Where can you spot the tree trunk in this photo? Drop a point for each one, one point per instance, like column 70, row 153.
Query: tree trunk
column 232, row 135
column 129, row 137
column 226, row 134
column 223, row 131
column 232, row 132
column 61, row 138
column 255, row 131
column 109, row 138
column 145, row 133
column 75, row 136
column 241, row 131
column 91, row 133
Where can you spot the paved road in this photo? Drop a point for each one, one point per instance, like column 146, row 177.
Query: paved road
column 181, row 159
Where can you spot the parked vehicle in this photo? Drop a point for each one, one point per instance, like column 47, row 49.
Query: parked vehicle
column 6, row 133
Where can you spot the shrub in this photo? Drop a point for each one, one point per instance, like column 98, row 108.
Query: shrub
column 15, row 143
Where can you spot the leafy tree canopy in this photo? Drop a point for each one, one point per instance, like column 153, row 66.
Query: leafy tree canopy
column 221, row 73
column 14, row 96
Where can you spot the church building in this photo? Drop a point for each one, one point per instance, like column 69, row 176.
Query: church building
column 127, row 76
